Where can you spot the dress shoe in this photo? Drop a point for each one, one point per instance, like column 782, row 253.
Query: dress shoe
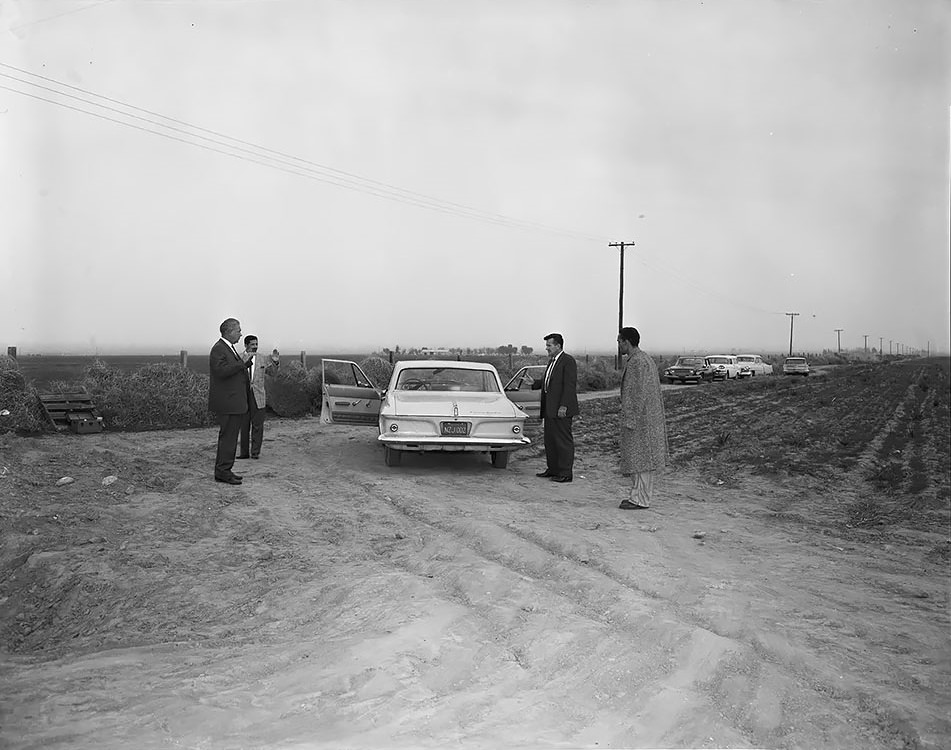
column 561, row 479
column 242, row 456
column 545, row 473
column 627, row 505
column 239, row 477
column 255, row 457
column 228, row 480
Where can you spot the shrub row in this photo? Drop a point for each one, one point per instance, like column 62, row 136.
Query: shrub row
column 167, row 396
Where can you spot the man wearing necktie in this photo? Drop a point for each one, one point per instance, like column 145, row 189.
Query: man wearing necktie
column 559, row 404
column 252, row 430
column 228, row 396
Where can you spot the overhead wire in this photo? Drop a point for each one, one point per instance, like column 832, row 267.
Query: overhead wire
column 221, row 143
column 702, row 288
column 267, row 157
column 58, row 15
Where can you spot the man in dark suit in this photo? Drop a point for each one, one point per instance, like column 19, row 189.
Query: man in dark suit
column 228, row 396
column 559, row 403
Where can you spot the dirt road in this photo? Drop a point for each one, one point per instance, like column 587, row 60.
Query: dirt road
column 333, row 602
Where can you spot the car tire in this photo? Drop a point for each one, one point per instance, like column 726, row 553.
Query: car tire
column 391, row 456
column 500, row 459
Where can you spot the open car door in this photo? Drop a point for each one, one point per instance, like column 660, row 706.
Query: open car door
column 349, row 396
column 519, row 390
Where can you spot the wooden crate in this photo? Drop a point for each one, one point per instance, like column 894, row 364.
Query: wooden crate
column 74, row 411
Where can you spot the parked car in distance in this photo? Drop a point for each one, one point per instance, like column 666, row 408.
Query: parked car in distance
column 688, row 370
column 722, row 366
column 428, row 405
column 752, row 364
column 796, row 366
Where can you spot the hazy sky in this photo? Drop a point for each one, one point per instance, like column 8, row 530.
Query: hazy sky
column 345, row 176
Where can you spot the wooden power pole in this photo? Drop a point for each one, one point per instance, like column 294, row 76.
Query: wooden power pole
column 792, row 317
column 620, row 298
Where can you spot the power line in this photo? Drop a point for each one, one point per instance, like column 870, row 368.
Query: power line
column 226, row 145
column 286, row 162
column 705, row 289
column 59, row 15
column 217, row 134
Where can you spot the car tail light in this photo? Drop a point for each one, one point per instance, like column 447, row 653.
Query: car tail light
column 516, row 429
column 394, row 427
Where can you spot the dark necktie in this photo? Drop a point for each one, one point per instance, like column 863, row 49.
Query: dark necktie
column 551, row 366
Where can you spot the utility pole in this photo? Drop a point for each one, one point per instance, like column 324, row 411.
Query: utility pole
column 620, row 298
column 880, row 346
column 889, row 347
column 838, row 340
column 866, row 342
column 792, row 317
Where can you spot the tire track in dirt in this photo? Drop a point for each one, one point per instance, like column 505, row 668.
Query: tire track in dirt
column 563, row 572
column 532, row 640
column 537, row 602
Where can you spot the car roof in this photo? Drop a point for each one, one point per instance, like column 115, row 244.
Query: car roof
column 435, row 363
column 719, row 355
column 746, row 355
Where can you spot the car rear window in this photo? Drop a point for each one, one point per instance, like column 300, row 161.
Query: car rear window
column 795, row 361
column 719, row 360
column 689, row 362
column 447, row 379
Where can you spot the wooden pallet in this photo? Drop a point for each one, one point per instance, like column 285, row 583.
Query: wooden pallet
column 73, row 411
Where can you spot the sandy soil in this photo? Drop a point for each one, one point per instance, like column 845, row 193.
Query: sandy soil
column 333, row 602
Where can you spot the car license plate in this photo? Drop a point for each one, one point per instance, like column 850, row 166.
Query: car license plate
column 455, row 429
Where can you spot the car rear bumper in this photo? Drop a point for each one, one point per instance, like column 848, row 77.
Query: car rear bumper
column 453, row 445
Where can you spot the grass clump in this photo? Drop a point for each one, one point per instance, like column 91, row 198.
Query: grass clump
column 378, row 370
column 20, row 409
column 294, row 390
column 598, row 375
column 154, row 397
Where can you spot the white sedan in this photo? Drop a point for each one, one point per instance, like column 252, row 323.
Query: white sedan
column 428, row 405
column 752, row 364
column 723, row 366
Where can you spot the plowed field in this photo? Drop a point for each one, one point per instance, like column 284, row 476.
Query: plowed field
column 789, row 588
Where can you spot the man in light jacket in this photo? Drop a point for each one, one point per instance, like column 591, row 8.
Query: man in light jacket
column 252, row 429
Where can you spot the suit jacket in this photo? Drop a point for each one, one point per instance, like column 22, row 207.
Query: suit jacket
column 562, row 388
column 228, row 389
column 263, row 366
